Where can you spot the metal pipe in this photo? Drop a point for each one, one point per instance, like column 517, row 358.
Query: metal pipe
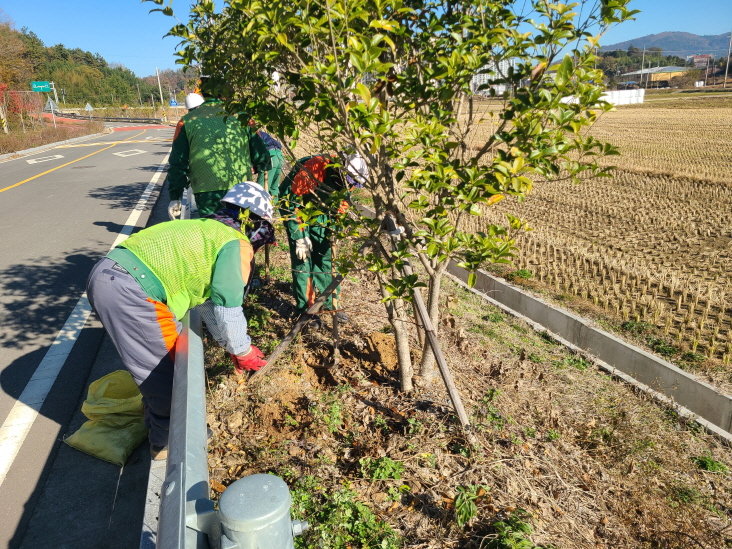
column 255, row 512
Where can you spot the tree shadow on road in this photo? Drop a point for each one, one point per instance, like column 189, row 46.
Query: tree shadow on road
column 38, row 296
column 112, row 227
column 152, row 168
column 123, row 196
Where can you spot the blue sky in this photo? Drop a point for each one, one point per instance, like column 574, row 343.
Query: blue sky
column 123, row 31
column 704, row 17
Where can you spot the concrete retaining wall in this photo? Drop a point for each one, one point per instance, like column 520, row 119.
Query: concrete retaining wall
column 634, row 364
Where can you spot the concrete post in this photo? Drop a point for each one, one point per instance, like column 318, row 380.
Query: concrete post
column 255, row 512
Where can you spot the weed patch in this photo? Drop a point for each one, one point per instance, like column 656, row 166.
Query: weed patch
column 708, row 463
column 338, row 519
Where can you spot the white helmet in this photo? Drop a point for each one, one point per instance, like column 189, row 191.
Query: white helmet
column 251, row 196
column 193, row 100
column 357, row 170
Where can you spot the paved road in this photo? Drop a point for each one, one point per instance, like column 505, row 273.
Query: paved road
column 61, row 209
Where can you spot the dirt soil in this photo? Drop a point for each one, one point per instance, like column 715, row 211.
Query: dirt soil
column 561, row 455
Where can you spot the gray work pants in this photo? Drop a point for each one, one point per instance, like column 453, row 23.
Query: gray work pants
column 144, row 332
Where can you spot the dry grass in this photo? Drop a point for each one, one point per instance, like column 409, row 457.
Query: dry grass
column 36, row 137
column 592, row 462
column 652, row 244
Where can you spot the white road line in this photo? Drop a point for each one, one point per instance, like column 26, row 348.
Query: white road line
column 131, row 152
column 16, row 426
column 44, row 159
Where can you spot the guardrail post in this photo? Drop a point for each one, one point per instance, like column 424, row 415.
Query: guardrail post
column 255, row 512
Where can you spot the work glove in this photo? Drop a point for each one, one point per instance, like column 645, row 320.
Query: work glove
column 251, row 361
column 303, row 247
column 174, row 209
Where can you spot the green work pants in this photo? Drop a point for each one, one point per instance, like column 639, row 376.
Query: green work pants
column 312, row 276
column 209, row 202
column 274, row 176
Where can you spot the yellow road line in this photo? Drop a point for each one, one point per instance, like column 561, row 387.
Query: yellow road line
column 64, row 165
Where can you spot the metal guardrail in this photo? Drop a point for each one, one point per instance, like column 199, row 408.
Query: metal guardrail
column 107, row 118
column 254, row 512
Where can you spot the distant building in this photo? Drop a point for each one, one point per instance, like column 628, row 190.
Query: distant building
column 655, row 76
column 700, row 61
column 488, row 75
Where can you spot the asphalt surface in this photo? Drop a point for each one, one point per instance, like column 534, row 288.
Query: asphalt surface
column 61, row 209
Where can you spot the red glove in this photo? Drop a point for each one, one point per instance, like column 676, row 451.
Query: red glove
column 252, row 360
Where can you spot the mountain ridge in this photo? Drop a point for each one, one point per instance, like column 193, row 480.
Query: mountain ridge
column 677, row 43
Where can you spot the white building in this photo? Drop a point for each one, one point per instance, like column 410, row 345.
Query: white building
column 492, row 72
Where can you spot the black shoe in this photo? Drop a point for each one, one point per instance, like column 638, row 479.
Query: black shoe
column 342, row 317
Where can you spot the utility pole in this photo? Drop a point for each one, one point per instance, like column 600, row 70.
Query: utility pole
column 53, row 87
column 160, row 88
column 139, row 96
column 643, row 64
column 706, row 73
column 726, row 69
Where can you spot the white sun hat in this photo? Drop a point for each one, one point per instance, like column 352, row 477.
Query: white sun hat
column 251, row 196
column 357, row 170
column 193, row 100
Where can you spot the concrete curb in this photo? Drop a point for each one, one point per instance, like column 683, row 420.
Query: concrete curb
column 148, row 537
column 48, row 146
column 667, row 383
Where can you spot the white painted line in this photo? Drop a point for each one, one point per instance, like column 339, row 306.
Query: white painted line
column 19, row 421
column 44, row 159
column 131, row 152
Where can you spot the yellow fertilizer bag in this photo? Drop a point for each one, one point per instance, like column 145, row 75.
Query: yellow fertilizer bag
column 116, row 425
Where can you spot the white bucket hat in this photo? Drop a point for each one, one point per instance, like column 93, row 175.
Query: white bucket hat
column 193, row 100
column 357, row 170
column 251, row 196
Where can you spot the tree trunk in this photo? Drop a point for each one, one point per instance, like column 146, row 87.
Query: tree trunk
column 395, row 310
column 401, row 336
column 428, row 369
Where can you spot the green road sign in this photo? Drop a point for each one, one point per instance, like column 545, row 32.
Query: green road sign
column 41, row 86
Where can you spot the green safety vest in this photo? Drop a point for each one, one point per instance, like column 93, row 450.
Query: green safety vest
column 219, row 155
column 182, row 255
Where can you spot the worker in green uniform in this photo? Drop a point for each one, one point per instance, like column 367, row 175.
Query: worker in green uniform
column 212, row 151
column 315, row 178
column 144, row 287
column 275, row 173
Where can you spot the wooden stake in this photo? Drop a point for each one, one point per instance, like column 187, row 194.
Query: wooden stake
column 430, row 334
column 302, row 320
column 266, row 248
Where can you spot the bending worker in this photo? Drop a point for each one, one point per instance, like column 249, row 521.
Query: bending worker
column 315, row 178
column 145, row 286
column 212, row 151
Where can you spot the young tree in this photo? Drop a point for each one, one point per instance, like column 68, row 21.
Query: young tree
column 394, row 80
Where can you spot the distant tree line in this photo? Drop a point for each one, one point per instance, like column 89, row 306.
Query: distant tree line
column 618, row 62
column 81, row 76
